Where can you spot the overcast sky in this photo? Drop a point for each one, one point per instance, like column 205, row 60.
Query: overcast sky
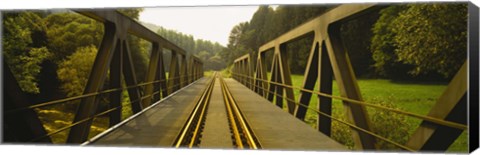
column 208, row 23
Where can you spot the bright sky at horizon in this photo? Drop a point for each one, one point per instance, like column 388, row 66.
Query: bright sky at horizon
column 209, row 23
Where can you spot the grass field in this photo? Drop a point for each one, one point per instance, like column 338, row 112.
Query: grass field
column 412, row 97
column 208, row 73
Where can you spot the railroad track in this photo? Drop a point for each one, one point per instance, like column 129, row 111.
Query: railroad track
column 241, row 134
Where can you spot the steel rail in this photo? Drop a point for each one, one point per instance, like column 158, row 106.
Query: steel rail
column 231, row 119
column 426, row 118
column 235, row 112
column 197, row 111
column 201, row 117
column 233, row 123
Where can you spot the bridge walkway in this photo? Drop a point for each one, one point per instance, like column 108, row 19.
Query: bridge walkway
column 273, row 127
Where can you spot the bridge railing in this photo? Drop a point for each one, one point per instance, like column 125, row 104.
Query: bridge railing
column 328, row 58
column 113, row 58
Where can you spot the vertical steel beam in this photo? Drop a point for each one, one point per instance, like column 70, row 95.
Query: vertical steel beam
column 324, row 123
column 240, row 71
column 348, row 87
column 247, row 73
column 22, row 126
column 250, row 72
column 195, row 71
column 200, row 70
column 161, row 75
column 261, row 74
column 190, row 69
column 130, row 78
column 234, row 71
column 273, row 78
column 235, row 68
column 278, row 89
column 450, row 106
column 473, row 67
column 285, row 75
column 177, row 73
column 197, row 67
column 151, row 74
column 243, row 73
column 183, row 71
column 116, row 82
column 88, row 106
column 173, row 73
column 202, row 73
column 310, row 78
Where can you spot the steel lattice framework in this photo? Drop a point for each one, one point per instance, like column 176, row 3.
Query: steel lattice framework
column 113, row 58
column 328, row 58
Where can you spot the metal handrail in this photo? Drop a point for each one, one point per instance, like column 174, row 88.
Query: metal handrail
column 55, row 102
column 93, row 94
column 427, row 118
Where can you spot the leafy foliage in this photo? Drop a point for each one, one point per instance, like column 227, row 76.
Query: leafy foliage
column 74, row 71
column 425, row 37
column 140, row 53
column 267, row 24
column 432, row 37
column 132, row 13
column 206, row 50
column 390, row 125
column 24, row 47
column 68, row 31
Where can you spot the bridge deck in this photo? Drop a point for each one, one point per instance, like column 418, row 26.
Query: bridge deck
column 275, row 128
column 160, row 125
column 216, row 133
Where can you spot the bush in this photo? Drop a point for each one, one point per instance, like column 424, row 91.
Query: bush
column 387, row 124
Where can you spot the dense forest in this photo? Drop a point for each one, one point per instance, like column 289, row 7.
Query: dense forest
column 400, row 42
column 207, row 51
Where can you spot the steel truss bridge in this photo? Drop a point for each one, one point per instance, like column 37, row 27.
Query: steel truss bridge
column 187, row 109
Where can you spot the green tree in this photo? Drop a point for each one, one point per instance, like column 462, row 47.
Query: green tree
column 203, row 55
column 204, row 49
column 73, row 72
column 356, row 34
column 68, row 31
column 432, row 37
column 238, row 39
column 420, row 39
column 132, row 13
column 267, row 24
column 24, row 47
column 215, row 63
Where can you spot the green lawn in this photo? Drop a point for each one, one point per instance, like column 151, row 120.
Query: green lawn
column 412, row 97
column 208, row 73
